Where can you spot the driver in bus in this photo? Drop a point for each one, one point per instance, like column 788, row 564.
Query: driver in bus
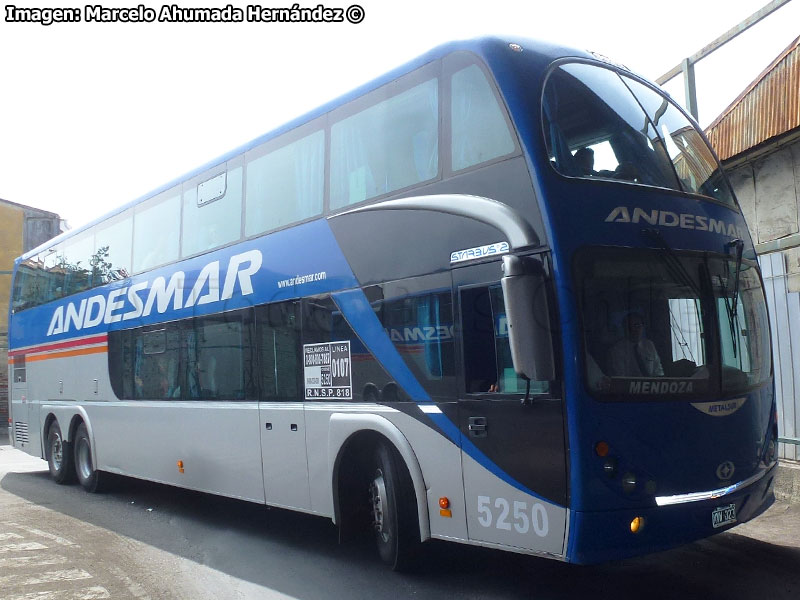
column 635, row 355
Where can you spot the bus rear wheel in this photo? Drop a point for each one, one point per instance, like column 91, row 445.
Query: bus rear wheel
column 90, row 478
column 393, row 510
column 59, row 456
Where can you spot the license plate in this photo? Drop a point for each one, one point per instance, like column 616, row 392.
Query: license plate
column 723, row 515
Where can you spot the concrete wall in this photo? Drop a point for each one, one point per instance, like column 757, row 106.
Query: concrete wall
column 767, row 185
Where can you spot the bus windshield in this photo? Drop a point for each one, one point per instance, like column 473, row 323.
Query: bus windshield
column 665, row 323
column 602, row 125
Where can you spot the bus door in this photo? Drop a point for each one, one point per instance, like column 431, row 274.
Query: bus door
column 513, row 450
column 281, row 412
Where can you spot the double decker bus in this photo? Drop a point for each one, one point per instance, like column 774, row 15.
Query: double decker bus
column 501, row 296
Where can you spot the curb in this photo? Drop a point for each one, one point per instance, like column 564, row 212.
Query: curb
column 787, row 481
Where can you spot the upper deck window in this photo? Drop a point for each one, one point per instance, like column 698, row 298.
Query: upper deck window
column 601, row 125
column 387, row 147
column 480, row 132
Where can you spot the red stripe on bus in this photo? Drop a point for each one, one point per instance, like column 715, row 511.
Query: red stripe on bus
column 59, row 345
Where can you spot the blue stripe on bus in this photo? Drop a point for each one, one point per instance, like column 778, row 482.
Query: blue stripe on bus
column 359, row 314
column 300, row 261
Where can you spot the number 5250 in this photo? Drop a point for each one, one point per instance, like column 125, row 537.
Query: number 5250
column 523, row 517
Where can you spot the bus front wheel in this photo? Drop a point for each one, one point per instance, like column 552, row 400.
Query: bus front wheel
column 59, row 456
column 393, row 510
column 89, row 477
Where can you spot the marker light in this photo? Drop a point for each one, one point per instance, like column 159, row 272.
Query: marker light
column 444, row 502
column 180, row 466
column 601, row 449
column 446, row 512
column 637, row 524
column 610, row 467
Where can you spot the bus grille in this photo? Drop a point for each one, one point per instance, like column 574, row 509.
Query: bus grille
column 21, row 432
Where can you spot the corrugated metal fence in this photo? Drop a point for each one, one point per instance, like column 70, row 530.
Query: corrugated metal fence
column 784, row 315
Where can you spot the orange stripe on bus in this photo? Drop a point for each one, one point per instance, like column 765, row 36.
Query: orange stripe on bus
column 79, row 352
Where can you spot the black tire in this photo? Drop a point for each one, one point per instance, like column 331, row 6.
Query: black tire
column 90, row 478
column 393, row 510
column 59, row 456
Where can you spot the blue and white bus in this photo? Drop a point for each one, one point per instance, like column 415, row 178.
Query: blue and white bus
column 501, row 296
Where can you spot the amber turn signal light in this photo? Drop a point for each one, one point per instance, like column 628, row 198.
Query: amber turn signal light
column 637, row 524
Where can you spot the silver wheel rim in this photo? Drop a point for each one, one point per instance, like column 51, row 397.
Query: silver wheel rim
column 57, row 452
column 377, row 495
column 84, row 459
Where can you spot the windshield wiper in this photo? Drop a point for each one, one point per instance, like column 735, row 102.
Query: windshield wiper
column 732, row 304
column 671, row 261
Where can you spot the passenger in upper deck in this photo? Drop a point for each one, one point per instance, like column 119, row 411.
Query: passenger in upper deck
column 635, row 355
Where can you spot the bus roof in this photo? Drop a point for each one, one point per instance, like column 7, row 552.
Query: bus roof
column 488, row 49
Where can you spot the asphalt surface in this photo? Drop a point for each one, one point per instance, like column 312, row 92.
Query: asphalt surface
column 147, row 541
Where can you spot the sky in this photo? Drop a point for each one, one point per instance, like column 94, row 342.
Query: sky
column 94, row 115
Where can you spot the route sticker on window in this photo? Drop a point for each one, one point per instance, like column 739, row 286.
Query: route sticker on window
column 326, row 371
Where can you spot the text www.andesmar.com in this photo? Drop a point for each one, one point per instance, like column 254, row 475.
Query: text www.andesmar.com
column 301, row 279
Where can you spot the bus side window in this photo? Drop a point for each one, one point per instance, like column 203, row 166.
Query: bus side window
column 479, row 129
column 278, row 343
column 218, row 361
column 323, row 322
column 487, row 355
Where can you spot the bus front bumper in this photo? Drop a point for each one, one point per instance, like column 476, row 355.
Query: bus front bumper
column 608, row 535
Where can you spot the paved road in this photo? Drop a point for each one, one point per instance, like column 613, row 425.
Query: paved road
column 145, row 541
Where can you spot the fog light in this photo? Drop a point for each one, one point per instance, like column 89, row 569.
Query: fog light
column 637, row 524
column 629, row 483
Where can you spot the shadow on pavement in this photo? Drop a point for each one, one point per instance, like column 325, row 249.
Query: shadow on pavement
column 299, row 555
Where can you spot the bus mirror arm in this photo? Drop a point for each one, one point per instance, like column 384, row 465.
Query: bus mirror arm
column 528, row 316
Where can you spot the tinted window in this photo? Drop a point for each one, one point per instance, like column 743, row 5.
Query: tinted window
column 479, row 129
column 76, row 260
column 278, row 339
column 650, row 320
column 285, row 185
column 113, row 245
column 212, row 215
column 487, row 354
column 420, row 325
column 155, row 368
column 207, row 358
column 323, row 322
column 155, row 231
column 743, row 327
column 386, row 147
column 218, row 358
column 595, row 128
column 31, row 284
column 692, row 158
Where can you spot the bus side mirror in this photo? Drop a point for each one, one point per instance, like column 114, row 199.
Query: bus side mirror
column 529, row 333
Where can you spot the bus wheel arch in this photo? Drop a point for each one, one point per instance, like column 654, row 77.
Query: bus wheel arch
column 363, row 448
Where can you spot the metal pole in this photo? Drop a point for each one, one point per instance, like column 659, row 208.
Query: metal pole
column 687, row 65
column 689, row 87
